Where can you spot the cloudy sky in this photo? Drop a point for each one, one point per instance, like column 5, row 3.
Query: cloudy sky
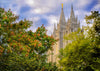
column 47, row 12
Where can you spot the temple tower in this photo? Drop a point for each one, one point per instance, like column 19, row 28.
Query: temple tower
column 63, row 28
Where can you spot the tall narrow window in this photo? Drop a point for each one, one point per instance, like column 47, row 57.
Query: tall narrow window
column 71, row 30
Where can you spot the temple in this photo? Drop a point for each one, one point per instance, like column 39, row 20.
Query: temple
column 63, row 28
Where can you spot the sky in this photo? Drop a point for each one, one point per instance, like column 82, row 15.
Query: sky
column 48, row 12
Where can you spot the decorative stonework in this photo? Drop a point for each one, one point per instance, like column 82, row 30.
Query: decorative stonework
column 63, row 28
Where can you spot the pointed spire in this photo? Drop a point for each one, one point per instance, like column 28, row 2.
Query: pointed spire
column 62, row 16
column 72, row 12
column 54, row 28
column 71, row 6
column 62, row 5
column 79, row 24
column 76, row 18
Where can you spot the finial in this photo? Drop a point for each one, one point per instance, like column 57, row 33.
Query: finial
column 62, row 5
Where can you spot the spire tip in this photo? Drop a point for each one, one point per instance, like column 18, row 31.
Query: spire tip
column 71, row 6
column 62, row 5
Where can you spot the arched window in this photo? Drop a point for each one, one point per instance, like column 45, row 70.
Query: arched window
column 66, row 31
column 72, row 30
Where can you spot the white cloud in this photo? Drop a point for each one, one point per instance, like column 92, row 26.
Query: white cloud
column 34, row 19
column 34, row 25
column 53, row 19
column 96, row 7
column 99, row 1
column 44, row 6
column 41, row 10
column 50, row 26
column 82, row 3
column 81, row 13
column 41, row 7
column 81, row 16
column 30, row 2
column 83, row 23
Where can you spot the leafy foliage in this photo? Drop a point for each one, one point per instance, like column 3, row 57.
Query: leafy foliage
column 20, row 49
column 83, row 54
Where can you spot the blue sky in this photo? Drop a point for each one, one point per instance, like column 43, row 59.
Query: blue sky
column 47, row 12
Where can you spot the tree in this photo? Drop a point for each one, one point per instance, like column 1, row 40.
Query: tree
column 83, row 54
column 20, row 49
column 94, row 19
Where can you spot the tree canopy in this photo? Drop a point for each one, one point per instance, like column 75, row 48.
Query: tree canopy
column 20, row 49
column 83, row 54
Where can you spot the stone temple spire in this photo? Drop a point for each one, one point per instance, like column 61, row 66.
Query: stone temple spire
column 62, row 17
column 72, row 12
column 54, row 27
column 79, row 24
column 54, row 31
